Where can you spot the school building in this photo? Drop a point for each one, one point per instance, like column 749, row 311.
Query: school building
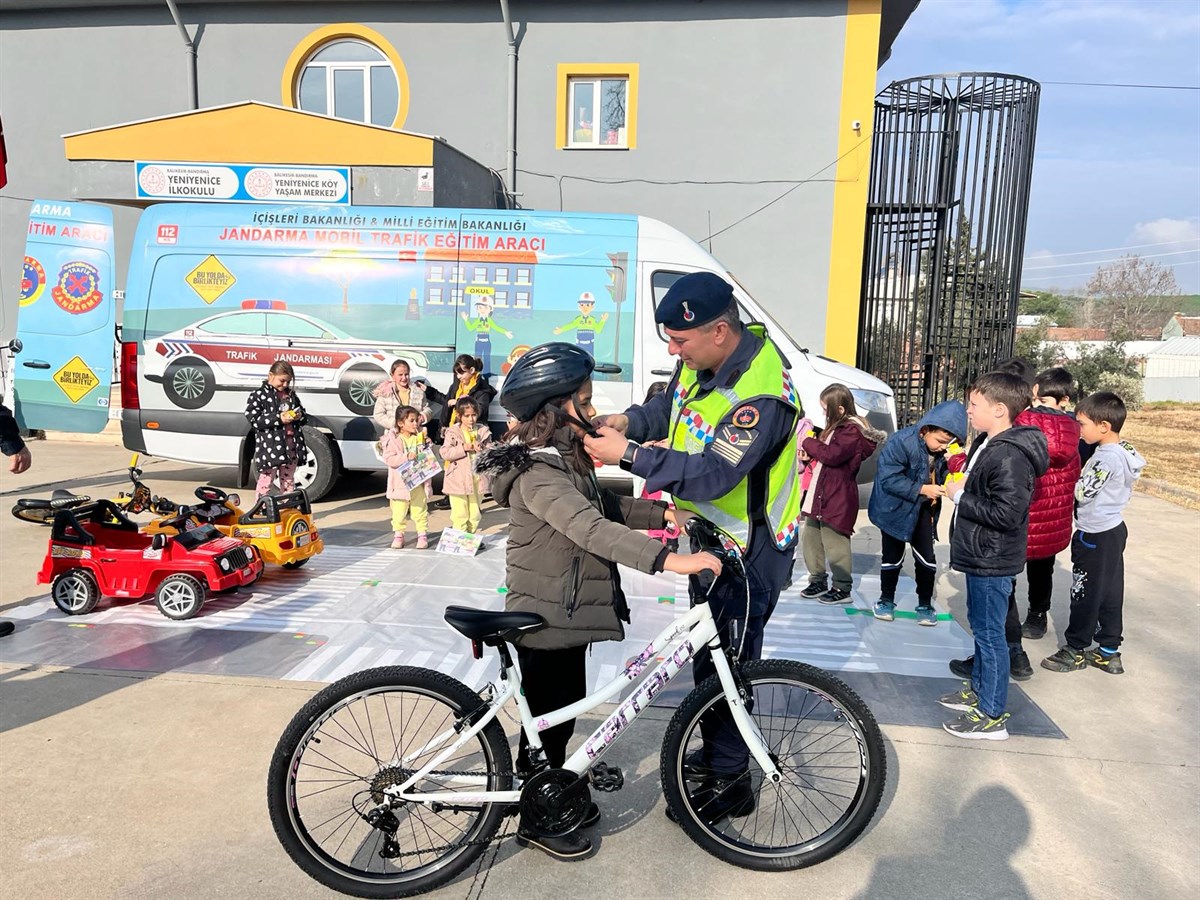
column 746, row 124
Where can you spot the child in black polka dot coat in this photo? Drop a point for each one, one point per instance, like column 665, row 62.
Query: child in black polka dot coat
column 276, row 415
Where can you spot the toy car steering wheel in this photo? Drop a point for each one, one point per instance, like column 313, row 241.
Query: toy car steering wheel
column 210, row 494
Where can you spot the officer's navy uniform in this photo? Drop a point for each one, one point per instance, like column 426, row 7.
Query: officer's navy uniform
column 711, row 474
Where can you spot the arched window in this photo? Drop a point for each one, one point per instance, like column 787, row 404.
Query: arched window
column 350, row 72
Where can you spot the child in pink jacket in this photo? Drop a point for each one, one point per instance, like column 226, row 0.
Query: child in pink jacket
column 402, row 445
column 461, row 444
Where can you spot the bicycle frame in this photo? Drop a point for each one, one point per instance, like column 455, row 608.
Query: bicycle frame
column 674, row 646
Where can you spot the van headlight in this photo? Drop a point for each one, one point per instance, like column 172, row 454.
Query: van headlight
column 870, row 401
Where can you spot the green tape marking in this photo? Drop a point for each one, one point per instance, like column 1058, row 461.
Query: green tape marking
column 899, row 614
column 371, row 582
column 502, row 590
column 670, row 600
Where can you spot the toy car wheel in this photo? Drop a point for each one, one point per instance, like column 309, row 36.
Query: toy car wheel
column 75, row 592
column 189, row 383
column 357, row 386
column 180, row 596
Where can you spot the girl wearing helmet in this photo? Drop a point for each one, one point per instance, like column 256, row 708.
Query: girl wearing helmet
column 566, row 537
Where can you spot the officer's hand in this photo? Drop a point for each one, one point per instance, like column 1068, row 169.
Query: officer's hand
column 692, row 564
column 609, row 447
column 616, row 421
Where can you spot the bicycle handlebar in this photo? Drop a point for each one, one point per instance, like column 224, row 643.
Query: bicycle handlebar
column 711, row 539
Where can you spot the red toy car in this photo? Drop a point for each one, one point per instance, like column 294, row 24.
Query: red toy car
column 96, row 551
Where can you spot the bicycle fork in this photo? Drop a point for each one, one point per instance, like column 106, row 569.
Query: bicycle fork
column 746, row 726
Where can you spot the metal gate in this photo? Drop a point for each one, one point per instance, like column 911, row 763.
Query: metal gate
column 948, row 201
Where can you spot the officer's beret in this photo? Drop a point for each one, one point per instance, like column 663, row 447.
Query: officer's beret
column 693, row 300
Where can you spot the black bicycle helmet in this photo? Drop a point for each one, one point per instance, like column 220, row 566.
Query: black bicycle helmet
column 545, row 373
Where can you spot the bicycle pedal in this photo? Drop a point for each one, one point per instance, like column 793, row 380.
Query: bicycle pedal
column 606, row 778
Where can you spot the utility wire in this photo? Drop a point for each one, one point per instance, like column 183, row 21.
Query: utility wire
column 1113, row 84
column 1114, row 249
column 1068, row 275
column 1098, row 262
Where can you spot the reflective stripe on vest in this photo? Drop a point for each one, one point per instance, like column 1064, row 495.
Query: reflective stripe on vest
column 693, row 428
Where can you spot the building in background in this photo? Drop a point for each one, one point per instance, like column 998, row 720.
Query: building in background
column 745, row 124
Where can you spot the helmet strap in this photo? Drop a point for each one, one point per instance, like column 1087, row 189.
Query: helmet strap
column 578, row 419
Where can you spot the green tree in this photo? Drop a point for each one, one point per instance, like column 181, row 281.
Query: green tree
column 1059, row 309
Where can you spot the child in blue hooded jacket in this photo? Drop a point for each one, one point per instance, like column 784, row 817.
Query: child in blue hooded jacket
column 906, row 501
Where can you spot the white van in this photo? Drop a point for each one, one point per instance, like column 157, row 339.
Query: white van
column 216, row 292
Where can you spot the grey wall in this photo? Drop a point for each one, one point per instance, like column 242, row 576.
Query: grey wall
column 730, row 90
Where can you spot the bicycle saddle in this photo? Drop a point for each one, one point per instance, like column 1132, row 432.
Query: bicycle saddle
column 482, row 624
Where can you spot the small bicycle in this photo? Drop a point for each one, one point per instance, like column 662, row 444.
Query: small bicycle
column 392, row 781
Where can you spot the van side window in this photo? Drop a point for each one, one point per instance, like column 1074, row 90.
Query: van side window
column 661, row 282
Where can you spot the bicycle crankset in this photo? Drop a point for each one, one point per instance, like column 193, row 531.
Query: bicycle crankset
column 554, row 802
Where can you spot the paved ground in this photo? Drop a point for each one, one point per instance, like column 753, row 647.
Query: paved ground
column 145, row 784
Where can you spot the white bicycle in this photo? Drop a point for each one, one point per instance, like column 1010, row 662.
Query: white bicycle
column 392, row 781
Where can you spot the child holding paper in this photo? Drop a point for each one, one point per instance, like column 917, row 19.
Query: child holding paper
column 402, row 446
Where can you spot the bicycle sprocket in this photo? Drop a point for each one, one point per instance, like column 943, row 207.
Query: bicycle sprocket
column 546, row 806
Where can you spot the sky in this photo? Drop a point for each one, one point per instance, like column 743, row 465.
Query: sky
column 1116, row 170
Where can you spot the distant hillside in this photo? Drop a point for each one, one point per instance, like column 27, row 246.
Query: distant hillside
column 1186, row 303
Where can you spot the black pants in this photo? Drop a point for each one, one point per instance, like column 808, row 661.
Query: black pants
column 724, row 749
column 1097, row 588
column 1040, row 575
column 924, row 561
column 551, row 679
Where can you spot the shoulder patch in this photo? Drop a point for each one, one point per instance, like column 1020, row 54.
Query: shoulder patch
column 746, row 416
column 732, row 443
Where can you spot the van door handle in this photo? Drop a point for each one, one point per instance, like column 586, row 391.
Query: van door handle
column 662, row 371
column 36, row 364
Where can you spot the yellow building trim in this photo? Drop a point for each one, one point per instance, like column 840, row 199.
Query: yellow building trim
column 253, row 133
column 859, row 66
column 342, row 31
column 567, row 71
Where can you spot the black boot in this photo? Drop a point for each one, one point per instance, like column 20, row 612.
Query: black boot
column 1019, row 668
column 963, row 667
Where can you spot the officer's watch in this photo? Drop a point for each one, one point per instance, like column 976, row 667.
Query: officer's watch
column 627, row 457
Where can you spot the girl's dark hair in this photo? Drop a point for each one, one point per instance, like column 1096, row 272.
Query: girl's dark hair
column 835, row 396
column 397, row 364
column 655, row 389
column 282, row 367
column 403, row 412
column 465, row 403
column 540, row 430
column 467, row 361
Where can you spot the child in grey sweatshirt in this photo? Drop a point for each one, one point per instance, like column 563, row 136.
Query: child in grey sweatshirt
column 1098, row 546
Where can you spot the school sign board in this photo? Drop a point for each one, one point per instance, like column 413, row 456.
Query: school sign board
column 208, row 182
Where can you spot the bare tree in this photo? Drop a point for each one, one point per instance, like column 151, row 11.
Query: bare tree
column 1133, row 296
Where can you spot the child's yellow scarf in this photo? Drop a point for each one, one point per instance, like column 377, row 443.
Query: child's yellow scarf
column 464, row 390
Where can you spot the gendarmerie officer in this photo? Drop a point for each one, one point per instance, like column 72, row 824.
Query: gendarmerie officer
column 726, row 450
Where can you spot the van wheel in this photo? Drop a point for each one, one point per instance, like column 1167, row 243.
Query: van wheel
column 189, row 383
column 317, row 476
column 357, row 388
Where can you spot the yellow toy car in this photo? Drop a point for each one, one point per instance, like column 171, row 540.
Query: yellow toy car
column 280, row 528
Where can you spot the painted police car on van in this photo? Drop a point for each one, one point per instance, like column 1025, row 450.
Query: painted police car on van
column 233, row 350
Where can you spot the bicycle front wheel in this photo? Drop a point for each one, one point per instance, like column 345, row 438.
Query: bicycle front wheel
column 826, row 745
column 367, row 732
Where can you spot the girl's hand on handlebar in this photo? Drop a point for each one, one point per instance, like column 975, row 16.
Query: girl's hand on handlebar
column 692, row 563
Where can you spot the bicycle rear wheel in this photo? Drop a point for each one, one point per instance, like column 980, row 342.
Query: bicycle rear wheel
column 354, row 739
column 824, row 741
